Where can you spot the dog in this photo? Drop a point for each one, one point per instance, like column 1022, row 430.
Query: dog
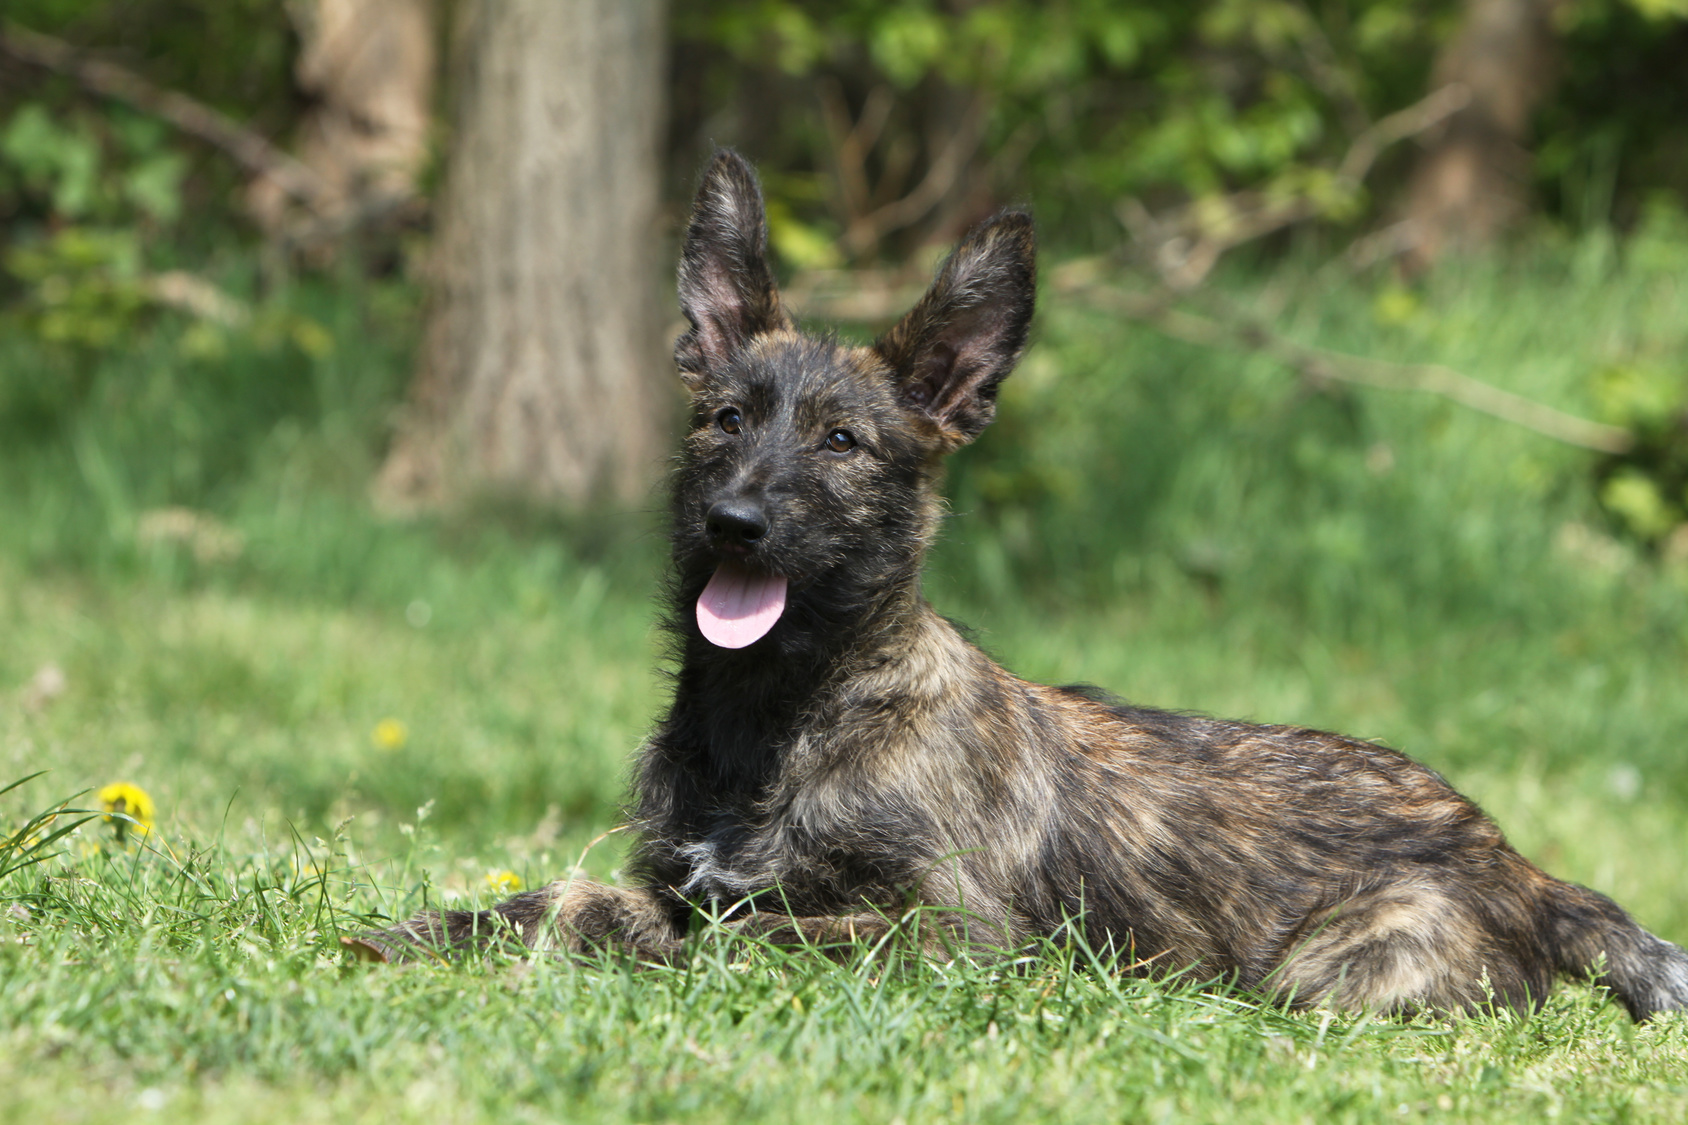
column 836, row 752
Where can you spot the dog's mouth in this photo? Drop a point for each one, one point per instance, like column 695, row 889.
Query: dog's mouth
column 739, row 605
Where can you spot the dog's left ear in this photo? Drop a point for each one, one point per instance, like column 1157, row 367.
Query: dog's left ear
column 965, row 335
column 726, row 288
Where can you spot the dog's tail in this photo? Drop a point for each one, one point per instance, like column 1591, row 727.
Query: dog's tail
column 1589, row 935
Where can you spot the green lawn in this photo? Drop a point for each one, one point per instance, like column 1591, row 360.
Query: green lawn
column 1186, row 529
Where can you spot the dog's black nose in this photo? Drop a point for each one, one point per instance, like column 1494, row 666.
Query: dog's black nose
column 736, row 523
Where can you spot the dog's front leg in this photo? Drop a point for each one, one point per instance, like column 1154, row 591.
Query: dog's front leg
column 838, row 935
column 570, row 915
column 832, row 934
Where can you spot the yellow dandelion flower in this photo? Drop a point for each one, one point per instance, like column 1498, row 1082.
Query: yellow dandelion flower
column 390, row 734
column 125, row 799
column 505, row 882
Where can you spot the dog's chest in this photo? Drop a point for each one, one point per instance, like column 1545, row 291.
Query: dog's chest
column 735, row 860
column 788, row 832
column 714, row 871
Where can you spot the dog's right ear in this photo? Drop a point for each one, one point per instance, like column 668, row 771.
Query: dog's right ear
column 726, row 289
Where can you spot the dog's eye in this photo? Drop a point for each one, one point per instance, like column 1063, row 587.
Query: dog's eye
column 840, row 441
column 729, row 420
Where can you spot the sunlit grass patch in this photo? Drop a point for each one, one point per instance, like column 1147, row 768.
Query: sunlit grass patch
column 215, row 982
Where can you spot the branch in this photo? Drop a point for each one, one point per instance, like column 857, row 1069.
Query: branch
column 1327, row 71
column 248, row 149
column 853, row 140
column 1431, row 110
column 1320, row 365
column 1186, row 245
column 860, row 296
column 193, row 294
column 867, row 230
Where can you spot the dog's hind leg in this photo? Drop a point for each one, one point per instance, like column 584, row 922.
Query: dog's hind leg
column 1403, row 948
column 570, row 915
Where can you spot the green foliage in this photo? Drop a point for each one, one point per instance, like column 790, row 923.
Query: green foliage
column 62, row 162
column 175, row 410
column 1611, row 138
column 1644, row 490
column 69, row 157
column 95, row 198
column 1087, row 101
column 1399, row 503
column 236, row 55
column 1093, row 100
column 1083, row 100
column 83, row 285
column 90, row 198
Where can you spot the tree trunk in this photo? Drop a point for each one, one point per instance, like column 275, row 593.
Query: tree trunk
column 368, row 66
column 541, row 366
column 1471, row 183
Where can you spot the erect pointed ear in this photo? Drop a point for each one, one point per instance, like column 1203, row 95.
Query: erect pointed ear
column 726, row 289
column 966, row 334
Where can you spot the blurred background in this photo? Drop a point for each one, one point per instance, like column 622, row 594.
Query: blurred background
column 335, row 398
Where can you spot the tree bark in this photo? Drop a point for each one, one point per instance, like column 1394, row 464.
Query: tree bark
column 541, row 365
column 368, row 66
column 1471, row 183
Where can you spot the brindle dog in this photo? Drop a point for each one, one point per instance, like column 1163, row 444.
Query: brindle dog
column 837, row 752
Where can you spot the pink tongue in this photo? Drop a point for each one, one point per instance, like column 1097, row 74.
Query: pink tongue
column 739, row 606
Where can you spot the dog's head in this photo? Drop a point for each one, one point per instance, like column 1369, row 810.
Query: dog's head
column 806, row 490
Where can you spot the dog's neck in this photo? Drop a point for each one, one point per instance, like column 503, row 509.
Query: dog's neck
column 740, row 708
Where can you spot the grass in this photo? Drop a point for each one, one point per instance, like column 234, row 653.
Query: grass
column 1188, row 529
column 232, row 1011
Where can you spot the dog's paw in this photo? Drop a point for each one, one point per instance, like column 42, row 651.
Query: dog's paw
column 385, row 947
column 368, row 948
